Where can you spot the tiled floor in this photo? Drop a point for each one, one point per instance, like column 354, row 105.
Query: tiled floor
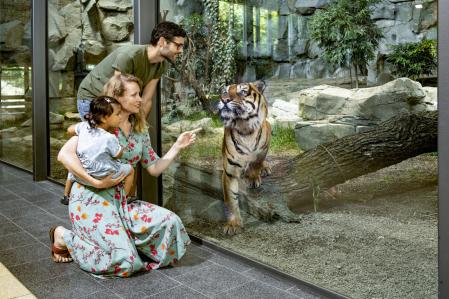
column 28, row 209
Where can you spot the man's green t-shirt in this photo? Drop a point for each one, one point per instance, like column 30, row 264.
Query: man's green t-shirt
column 131, row 59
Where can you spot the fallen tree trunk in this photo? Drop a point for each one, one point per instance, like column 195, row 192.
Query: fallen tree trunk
column 295, row 182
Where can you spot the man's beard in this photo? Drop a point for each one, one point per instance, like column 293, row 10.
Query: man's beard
column 170, row 58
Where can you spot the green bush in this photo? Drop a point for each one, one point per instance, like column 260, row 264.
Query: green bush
column 413, row 60
column 283, row 140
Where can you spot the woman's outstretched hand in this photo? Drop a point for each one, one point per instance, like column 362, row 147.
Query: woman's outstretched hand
column 187, row 138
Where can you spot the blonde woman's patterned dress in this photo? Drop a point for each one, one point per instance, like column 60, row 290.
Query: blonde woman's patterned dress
column 108, row 233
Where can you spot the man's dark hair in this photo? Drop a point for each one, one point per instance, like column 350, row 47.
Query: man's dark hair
column 168, row 30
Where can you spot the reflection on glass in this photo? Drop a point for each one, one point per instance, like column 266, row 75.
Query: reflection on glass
column 15, row 75
column 80, row 34
column 351, row 202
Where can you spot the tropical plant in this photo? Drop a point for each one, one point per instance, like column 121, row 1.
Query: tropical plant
column 414, row 60
column 347, row 34
column 208, row 62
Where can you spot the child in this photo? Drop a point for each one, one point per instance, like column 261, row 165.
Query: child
column 97, row 149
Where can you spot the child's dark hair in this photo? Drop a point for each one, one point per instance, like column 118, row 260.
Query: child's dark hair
column 100, row 107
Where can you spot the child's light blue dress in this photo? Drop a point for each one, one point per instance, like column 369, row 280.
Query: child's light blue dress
column 97, row 150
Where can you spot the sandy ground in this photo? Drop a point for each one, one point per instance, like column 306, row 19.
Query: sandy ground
column 377, row 239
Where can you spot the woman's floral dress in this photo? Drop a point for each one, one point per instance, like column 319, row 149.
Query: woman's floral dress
column 108, row 233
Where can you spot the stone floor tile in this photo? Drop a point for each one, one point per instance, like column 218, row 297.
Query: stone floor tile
column 8, row 228
column 305, row 293
column 230, row 263
column 6, row 195
column 255, row 290
column 35, row 219
column 39, row 270
column 269, row 278
column 23, row 255
column 29, row 211
column 146, row 282
column 15, row 203
column 74, row 285
column 212, row 280
column 16, row 239
column 189, row 262
column 101, row 295
column 181, row 291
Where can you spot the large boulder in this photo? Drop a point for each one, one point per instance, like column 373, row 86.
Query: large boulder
column 93, row 47
column 404, row 12
column 332, row 112
column 283, row 113
column 383, row 10
column 311, row 134
column 425, row 17
column 307, row 7
column 385, row 101
column 72, row 15
column 319, row 102
column 117, row 5
column 300, row 69
column 374, row 103
column 11, row 34
column 67, row 51
column 431, row 99
column 117, row 28
column 57, row 30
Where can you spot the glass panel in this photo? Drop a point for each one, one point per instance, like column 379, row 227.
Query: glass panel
column 80, row 35
column 351, row 202
column 15, row 81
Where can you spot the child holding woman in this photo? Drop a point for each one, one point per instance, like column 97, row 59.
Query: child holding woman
column 98, row 149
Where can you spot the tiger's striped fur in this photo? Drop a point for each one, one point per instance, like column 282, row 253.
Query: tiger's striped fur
column 247, row 135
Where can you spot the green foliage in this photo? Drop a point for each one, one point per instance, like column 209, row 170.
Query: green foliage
column 206, row 148
column 413, row 60
column 209, row 57
column 346, row 32
column 283, row 140
column 216, row 123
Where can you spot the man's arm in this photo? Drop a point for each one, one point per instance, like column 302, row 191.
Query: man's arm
column 147, row 96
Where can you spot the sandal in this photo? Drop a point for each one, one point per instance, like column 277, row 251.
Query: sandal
column 64, row 253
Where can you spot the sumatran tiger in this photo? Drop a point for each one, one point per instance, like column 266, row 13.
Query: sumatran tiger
column 247, row 135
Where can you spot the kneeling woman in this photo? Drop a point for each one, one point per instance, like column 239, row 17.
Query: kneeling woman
column 107, row 232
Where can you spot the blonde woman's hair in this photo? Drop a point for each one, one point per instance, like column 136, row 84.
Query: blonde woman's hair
column 115, row 88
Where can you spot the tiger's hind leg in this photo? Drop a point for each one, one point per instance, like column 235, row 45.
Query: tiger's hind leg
column 232, row 211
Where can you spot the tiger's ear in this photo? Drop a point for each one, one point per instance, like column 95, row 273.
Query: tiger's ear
column 260, row 85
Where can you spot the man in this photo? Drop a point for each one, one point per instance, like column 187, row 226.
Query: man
column 146, row 62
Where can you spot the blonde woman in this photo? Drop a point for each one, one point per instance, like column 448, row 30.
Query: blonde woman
column 107, row 231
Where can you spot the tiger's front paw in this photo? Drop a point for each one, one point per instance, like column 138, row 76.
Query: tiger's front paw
column 254, row 183
column 233, row 226
column 266, row 170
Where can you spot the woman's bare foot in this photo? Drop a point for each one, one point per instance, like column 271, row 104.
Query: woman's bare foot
column 60, row 253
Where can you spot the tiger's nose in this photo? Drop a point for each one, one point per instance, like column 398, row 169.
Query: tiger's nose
column 225, row 98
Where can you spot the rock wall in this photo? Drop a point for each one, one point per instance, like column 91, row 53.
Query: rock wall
column 85, row 31
column 79, row 31
column 292, row 52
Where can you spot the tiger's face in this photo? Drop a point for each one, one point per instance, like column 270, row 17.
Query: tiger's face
column 242, row 105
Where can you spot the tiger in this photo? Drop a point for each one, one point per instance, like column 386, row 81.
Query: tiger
column 243, row 109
